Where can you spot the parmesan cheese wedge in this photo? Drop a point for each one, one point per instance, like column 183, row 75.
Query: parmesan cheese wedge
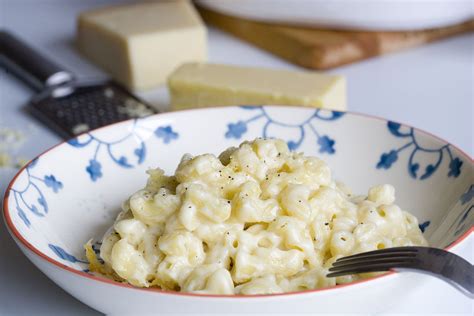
column 195, row 85
column 140, row 44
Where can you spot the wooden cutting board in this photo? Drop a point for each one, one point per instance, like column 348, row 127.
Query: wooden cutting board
column 321, row 48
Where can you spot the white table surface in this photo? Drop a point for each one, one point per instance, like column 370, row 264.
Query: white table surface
column 430, row 87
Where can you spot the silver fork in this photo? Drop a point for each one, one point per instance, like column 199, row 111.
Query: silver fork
column 436, row 262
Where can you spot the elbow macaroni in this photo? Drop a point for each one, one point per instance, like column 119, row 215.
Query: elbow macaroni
column 257, row 220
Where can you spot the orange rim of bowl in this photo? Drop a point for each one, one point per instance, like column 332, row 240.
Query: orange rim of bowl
column 16, row 234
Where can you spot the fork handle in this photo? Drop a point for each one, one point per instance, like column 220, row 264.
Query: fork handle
column 452, row 268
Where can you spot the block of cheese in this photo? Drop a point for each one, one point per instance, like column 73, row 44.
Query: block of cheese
column 194, row 85
column 140, row 44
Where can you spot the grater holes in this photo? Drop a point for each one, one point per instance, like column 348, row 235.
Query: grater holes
column 90, row 106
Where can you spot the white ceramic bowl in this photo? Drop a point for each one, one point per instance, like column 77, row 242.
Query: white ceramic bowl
column 73, row 192
column 376, row 15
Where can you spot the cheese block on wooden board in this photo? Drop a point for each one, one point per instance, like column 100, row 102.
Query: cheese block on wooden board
column 140, row 44
column 199, row 85
column 322, row 48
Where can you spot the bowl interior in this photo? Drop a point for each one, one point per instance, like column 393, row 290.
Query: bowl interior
column 73, row 192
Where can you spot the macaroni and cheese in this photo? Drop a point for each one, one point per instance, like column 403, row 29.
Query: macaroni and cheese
column 258, row 219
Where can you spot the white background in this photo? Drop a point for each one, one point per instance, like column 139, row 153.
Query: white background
column 430, row 87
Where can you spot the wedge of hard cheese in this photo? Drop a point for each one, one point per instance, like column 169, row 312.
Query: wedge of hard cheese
column 200, row 85
column 140, row 44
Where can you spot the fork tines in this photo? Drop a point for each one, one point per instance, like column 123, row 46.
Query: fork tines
column 373, row 261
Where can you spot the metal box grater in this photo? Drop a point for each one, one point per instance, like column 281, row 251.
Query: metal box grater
column 67, row 106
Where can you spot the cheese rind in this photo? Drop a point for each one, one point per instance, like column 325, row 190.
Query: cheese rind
column 141, row 44
column 201, row 85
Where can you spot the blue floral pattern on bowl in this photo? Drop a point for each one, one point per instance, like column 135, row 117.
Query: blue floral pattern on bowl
column 468, row 195
column 31, row 197
column 166, row 133
column 423, row 226
column 94, row 167
column 325, row 143
column 465, row 200
column 387, row 159
column 64, row 255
